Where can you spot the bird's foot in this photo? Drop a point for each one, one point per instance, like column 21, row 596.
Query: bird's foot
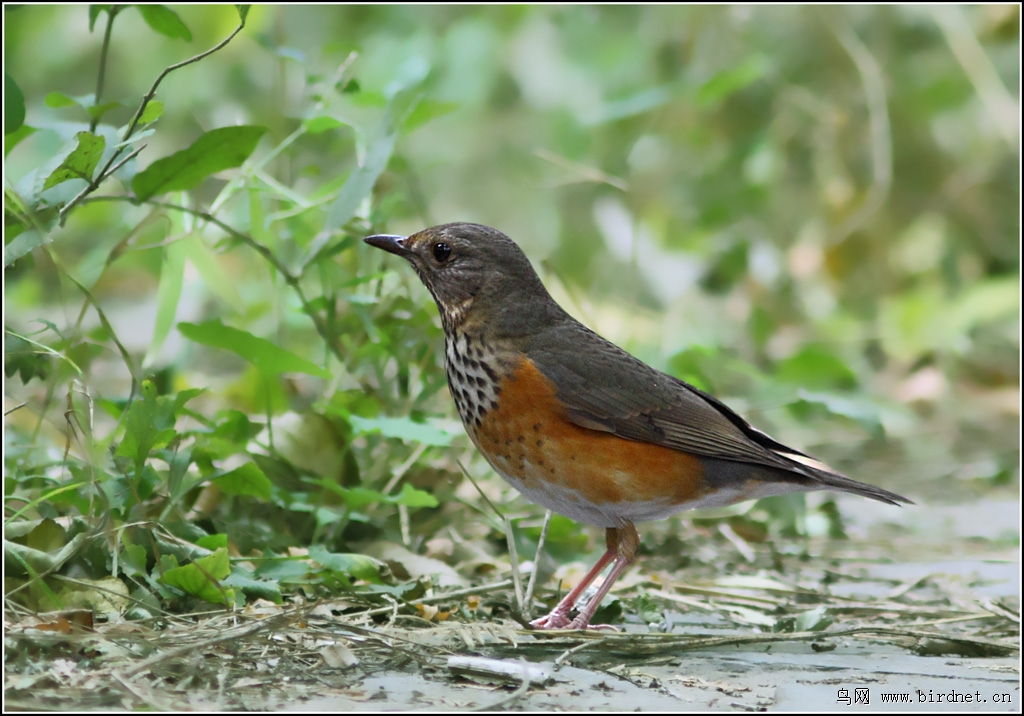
column 577, row 624
column 560, row 620
column 554, row 620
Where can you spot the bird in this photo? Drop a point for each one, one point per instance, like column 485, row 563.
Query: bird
column 575, row 423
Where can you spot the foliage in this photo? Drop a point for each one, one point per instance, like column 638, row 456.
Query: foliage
column 208, row 372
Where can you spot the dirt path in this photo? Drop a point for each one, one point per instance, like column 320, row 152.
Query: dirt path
column 917, row 617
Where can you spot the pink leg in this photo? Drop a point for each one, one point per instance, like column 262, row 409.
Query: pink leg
column 559, row 616
column 622, row 544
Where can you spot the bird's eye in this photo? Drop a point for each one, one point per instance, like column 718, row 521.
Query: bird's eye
column 441, row 252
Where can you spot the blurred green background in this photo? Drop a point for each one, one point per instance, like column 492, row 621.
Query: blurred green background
column 811, row 212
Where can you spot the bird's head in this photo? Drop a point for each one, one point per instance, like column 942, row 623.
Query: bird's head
column 472, row 271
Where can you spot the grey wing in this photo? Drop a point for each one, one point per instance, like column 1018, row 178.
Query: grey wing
column 615, row 392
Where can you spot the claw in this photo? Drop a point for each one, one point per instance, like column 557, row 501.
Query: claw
column 622, row 542
column 561, row 621
column 595, row 627
column 552, row 621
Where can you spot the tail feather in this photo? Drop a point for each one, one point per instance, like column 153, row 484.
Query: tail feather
column 832, row 480
column 835, row 481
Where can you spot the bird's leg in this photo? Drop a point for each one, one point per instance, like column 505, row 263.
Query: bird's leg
column 622, row 543
column 559, row 616
column 626, row 544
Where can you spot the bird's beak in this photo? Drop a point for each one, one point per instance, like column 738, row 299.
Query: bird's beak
column 389, row 242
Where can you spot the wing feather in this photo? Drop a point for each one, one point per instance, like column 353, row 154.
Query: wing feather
column 617, row 393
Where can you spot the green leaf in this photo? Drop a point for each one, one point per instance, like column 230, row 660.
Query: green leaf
column 24, row 358
column 289, row 53
column 57, row 100
column 361, row 181
column 98, row 110
column 79, row 159
column 26, row 229
column 149, row 423
column 243, row 12
column 213, row 542
column 361, row 299
column 411, row 497
column 14, row 138
column 316, row 125
column 269, row 358
column 562, row 532
column 152, row 112
column 182, row 550
column 134, row 139
column 283, row 570
column 357, row 498
column 695, row 365
column 39, row 560
column 994, row 298
column 366, row 98
column 403, row 429
column 246, row 480
column 639, row 103
column 424, row 111
column 814, row 368
column 165, row 21
column 201, row 578
column 94, row 13
column 23, row 243
column 215, row 151
column 178, row 461
column 732, row 80
column 356, row 565
column 133, row 556
column 258, row 588
column 728, row 268
column 184, row 396
column 410, row 74
column 14, row 105
column 168, row 293
column 859, row 409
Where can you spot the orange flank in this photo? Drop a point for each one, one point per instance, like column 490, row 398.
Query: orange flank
column 529, row 434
